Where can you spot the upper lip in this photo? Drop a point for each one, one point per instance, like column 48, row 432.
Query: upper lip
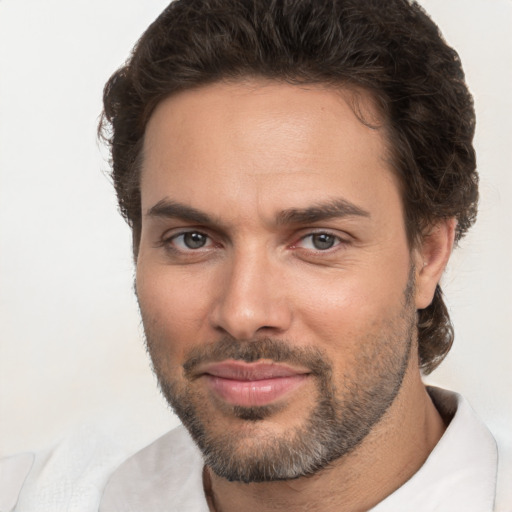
column 239, row 370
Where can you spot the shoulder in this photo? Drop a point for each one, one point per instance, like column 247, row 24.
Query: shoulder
column 70, row 475
column 13, row 473
column 91, row 470
column 504, row 480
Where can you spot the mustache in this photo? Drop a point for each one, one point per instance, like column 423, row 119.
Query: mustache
column 250, row 351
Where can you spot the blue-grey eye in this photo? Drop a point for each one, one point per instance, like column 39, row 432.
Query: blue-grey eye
column 194, row 240
column 323, row 241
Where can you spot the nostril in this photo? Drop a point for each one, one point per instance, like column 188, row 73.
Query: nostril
column 267, row 328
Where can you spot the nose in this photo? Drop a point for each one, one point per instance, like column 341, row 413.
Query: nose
column 251, row 299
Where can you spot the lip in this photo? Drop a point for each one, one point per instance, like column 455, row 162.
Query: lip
column 252, row 384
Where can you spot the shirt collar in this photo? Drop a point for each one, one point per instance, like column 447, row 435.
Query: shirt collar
column 461, row 471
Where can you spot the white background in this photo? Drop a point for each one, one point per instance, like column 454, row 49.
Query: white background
column 71, row 350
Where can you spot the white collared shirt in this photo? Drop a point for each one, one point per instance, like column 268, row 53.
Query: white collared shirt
column 459, row 475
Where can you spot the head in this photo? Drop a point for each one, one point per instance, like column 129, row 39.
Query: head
column 391, row 71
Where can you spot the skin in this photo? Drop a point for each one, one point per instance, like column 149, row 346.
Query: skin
column 241, row 153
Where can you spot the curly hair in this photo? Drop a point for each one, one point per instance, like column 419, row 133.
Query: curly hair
column 391, row 49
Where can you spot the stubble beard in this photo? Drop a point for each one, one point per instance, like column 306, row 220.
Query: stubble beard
column 336, row 425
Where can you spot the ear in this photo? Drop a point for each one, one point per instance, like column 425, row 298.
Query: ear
column 431, row 257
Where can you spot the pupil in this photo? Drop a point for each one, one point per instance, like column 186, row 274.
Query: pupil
column 194, row 240
column 323, row 242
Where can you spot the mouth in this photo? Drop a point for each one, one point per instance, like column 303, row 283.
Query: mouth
column 252, row 384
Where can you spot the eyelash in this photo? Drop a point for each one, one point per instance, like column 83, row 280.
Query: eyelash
column 337, row 241
column 170, row 242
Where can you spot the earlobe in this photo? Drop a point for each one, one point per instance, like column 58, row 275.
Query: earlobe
column 432, row 256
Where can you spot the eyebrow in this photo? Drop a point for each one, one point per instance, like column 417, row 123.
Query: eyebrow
column 336, row 208
column 167, row 208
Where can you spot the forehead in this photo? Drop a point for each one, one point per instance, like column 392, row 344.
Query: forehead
column 267, row 144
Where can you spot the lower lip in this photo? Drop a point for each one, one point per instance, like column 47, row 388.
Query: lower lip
column 256, row 392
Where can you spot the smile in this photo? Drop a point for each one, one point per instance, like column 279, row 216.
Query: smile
column 252, row 384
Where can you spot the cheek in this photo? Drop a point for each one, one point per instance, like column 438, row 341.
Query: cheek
column 174, row 309
column 351, row 306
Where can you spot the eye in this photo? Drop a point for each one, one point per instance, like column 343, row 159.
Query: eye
column 319, row 241
column 191, row 240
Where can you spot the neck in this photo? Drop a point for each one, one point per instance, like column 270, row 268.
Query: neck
column 393, row 451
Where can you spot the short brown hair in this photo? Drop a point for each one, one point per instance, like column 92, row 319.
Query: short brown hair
column 390, row 48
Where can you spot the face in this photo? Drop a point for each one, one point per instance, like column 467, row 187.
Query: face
column 274, row 275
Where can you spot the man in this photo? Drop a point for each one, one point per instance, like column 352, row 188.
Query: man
column 295, row 175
